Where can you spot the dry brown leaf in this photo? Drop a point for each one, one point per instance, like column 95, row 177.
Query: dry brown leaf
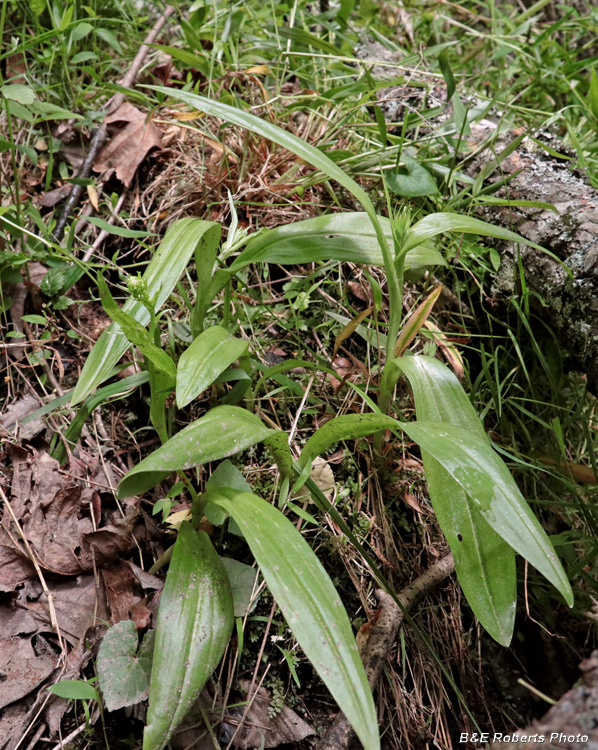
column 22, row 669
column 79, row 604
column 579, row 472
column 131, row 144
column 10, row 420
column 284, row 728
column 125, row 595
column 323, row 476
column 51, row 198
column 360, row 291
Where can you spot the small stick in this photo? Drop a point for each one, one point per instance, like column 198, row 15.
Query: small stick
column 99, row 135
column 383, row 633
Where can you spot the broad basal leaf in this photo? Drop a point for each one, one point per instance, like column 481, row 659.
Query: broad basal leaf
column 195, row 622
column 209, row 355
column 222, row 432
column 485, row 478
column 484, row 562
column 309, row 603
column 411, row 180
column 343, row 237
column 161, row 275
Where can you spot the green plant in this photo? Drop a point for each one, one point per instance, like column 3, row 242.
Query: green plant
column 479, row 506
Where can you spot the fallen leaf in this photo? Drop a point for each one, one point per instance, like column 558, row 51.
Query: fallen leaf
column 360, row 291
column 259, row 727
column 323, row 477
column 10, row 420
column 412, row 502
column 449, row 350
column 14, row 720
column 52, row 197
column 92, row 194
column 120, row 585
column 579, row 472
column 79, row 604
column 129, row 147
column 22, row 669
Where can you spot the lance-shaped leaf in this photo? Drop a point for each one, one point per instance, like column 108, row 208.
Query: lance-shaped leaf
column 137, row 334
column 344, row 237
column 208, row 356
column 416, row 321
column 161, row 275
column 350, row 329
column 484, row 562
column 195, row 622
column 222, row 432
column 441, row 223
column 309, row 603
column 346, row 427
column 483, row 475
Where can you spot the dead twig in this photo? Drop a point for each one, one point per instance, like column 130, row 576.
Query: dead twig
column 99, row 135
column 383, row 633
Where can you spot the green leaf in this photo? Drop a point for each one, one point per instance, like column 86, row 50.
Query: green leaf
column 135, row 332
column 80, row 31
column 208, row 356
column 18, row 92
column 110, row 39
column 242, row 581
column 310, row 605
column 346, row 427
column 161, row 275
column 411, row 180
column 485, row 478
column 484, row 562
column 447, row 74
column 195, row 622
column 189, row 59
column 492, row 201
column 124, row 665
column 225, row 475
column 593, row 94
column 301, row 36
column 35, row 319
column 75, row 690
column 222, row 432
column 205, row 258
column 441, row 223
column 344, row 237
column 118, row 231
